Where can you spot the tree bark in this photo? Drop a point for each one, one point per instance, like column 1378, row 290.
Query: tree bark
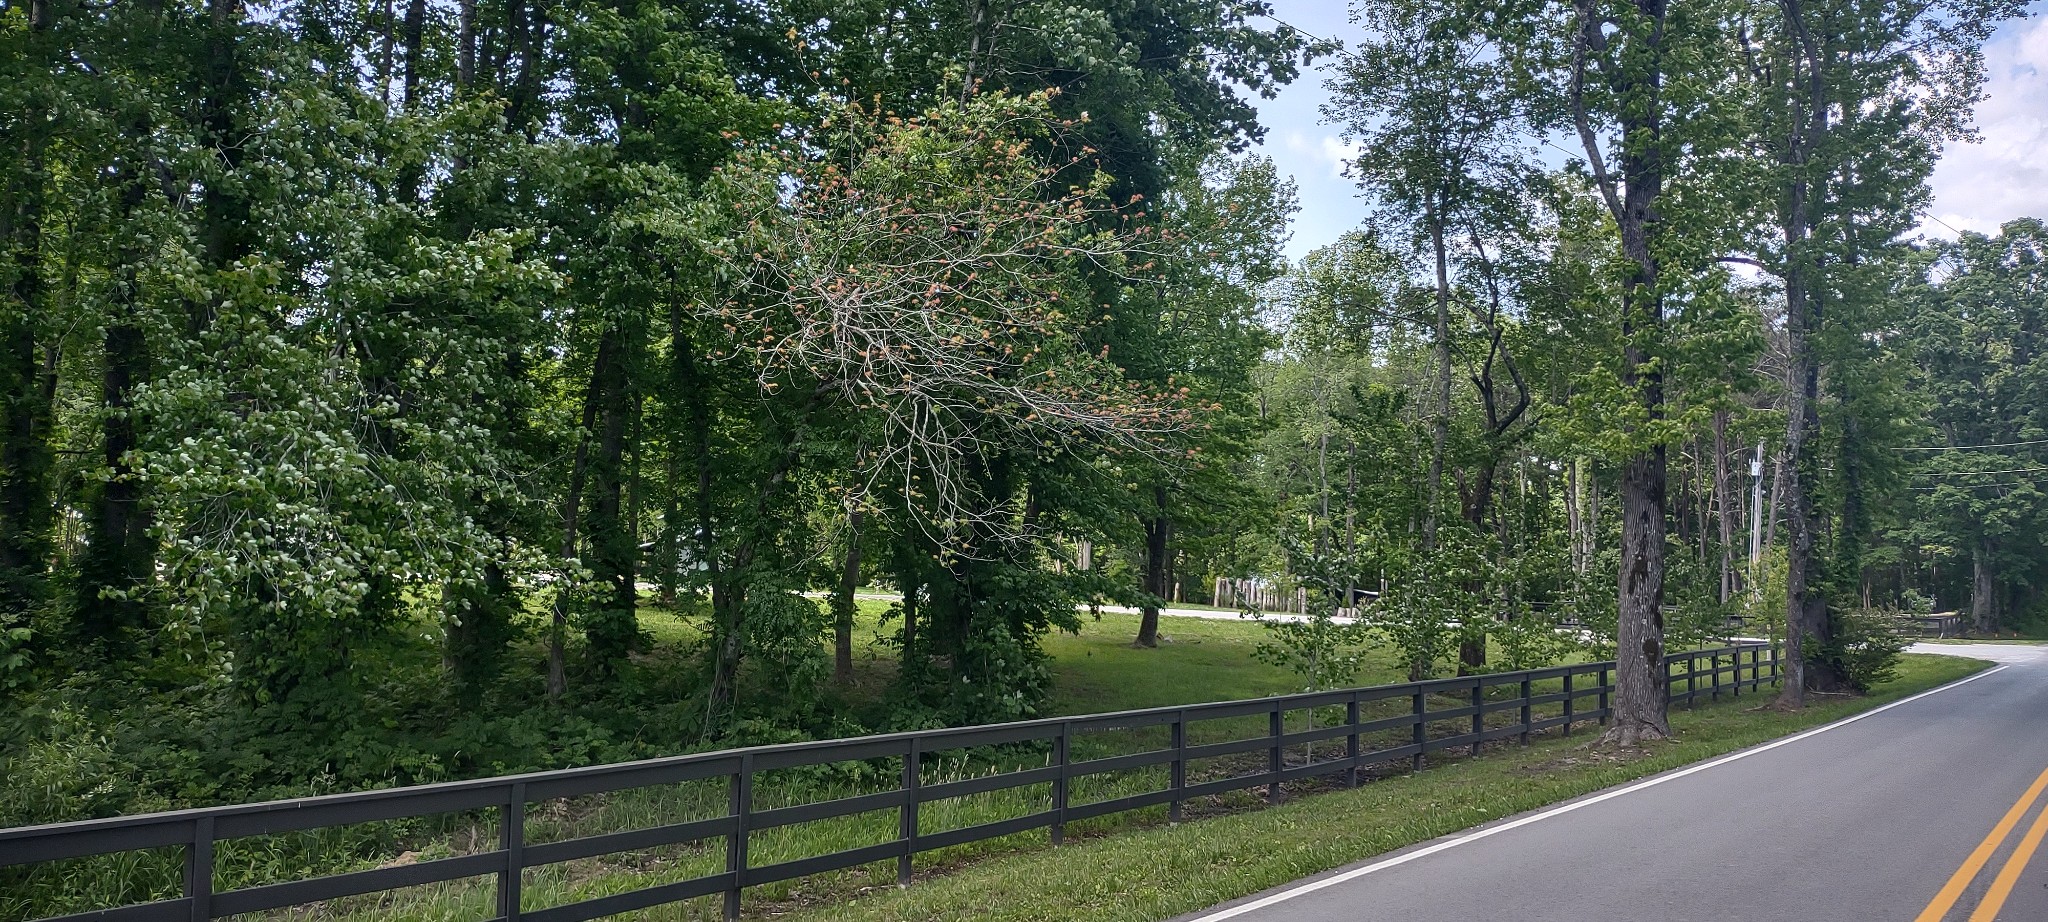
column 572, row 510
column 614, row 545
column 908, row 581
column 1983, row 591
column 1158, row 533
column 1724, row 504
column 1440, row 426
column 1575, row 524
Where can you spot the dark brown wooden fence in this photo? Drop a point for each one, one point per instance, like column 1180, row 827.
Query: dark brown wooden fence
column 1380, row 725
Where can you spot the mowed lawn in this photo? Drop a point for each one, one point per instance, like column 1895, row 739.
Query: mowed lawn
column 1097, row 669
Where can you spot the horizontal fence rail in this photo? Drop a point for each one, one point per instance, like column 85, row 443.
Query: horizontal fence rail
column 1387, row 725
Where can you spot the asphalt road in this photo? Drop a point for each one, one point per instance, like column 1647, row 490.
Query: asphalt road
column 1864, row 821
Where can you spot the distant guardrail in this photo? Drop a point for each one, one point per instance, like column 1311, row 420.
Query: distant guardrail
column 1380, row 724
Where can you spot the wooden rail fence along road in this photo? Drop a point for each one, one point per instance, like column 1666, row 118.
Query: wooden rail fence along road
column 1360, row 728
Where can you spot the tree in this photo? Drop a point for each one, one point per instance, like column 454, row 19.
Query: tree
column 1221, row 228
column 1647, row 142
column 1439, row 121
column 1975, row 325
column 1857, row 98
column 922, row 277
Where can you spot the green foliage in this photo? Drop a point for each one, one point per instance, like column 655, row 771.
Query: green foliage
column 1321, row 650
column 1968, row 533
column 1865, row 645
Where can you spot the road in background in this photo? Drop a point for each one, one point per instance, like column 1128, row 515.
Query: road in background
column 1863, row 822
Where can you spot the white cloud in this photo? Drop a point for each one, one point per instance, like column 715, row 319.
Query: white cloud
column 1338, row 152
column 2003, row 176
column 1329, row 151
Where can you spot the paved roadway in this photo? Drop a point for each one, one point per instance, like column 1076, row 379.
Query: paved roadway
column 1864, row 821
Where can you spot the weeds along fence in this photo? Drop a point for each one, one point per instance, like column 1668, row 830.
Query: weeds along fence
column 725, row 818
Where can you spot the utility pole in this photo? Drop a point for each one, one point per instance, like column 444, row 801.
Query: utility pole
column 1756, row 520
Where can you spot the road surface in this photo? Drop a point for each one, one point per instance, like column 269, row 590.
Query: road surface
column 1930, row 809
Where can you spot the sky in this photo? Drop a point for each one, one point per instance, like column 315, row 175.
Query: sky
column 1977, row 186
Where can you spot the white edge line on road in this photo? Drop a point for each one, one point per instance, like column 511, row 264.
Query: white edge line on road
column 1404, row 858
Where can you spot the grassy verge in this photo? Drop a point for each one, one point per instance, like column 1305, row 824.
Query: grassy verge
column 1157, row 873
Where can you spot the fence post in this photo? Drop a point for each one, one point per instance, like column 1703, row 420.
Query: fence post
column 199, row 869
column 1421, row 730
column 1351, row 741
column 1606, row 686
column 1059, row 787
column 1569, row 701
column 1735, row 687
column 512, row 840
column 1692, row 672
column 906, row 820
column 1717, row 676
column 1277, row 722
column 1179, row 780
column 740, row 802
column 1526, row 713
column 1478, row 712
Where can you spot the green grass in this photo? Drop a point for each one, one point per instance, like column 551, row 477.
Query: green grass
column 1095, row 670
column 1198, row 659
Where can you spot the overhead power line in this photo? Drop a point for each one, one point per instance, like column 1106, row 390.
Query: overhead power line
column 2010, row 470
column 1975, row 447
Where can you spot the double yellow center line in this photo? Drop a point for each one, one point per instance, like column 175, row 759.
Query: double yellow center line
column 2008, row 875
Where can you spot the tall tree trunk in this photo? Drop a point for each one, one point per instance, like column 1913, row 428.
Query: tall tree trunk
column 1640, row 691
column 480, row 628
column 27, row 510
column 120, row 557
column 908, row 582
column 728, row 650
column 1575, row 520
column 1440, row 424
column 843, row 603
column 1640, row 695
column 614, row 544
column 728, row 586
column 572, row 512
column 1724, row 505
column 1478, row 506
column 1807, row 627
column 1771, row 516
column 225, row 223
column 977, row 19
column 1350, row 597
column 1158, row 534
column 119, row 561
column 465, row 44
column 1983, row 591
column 728, row 596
